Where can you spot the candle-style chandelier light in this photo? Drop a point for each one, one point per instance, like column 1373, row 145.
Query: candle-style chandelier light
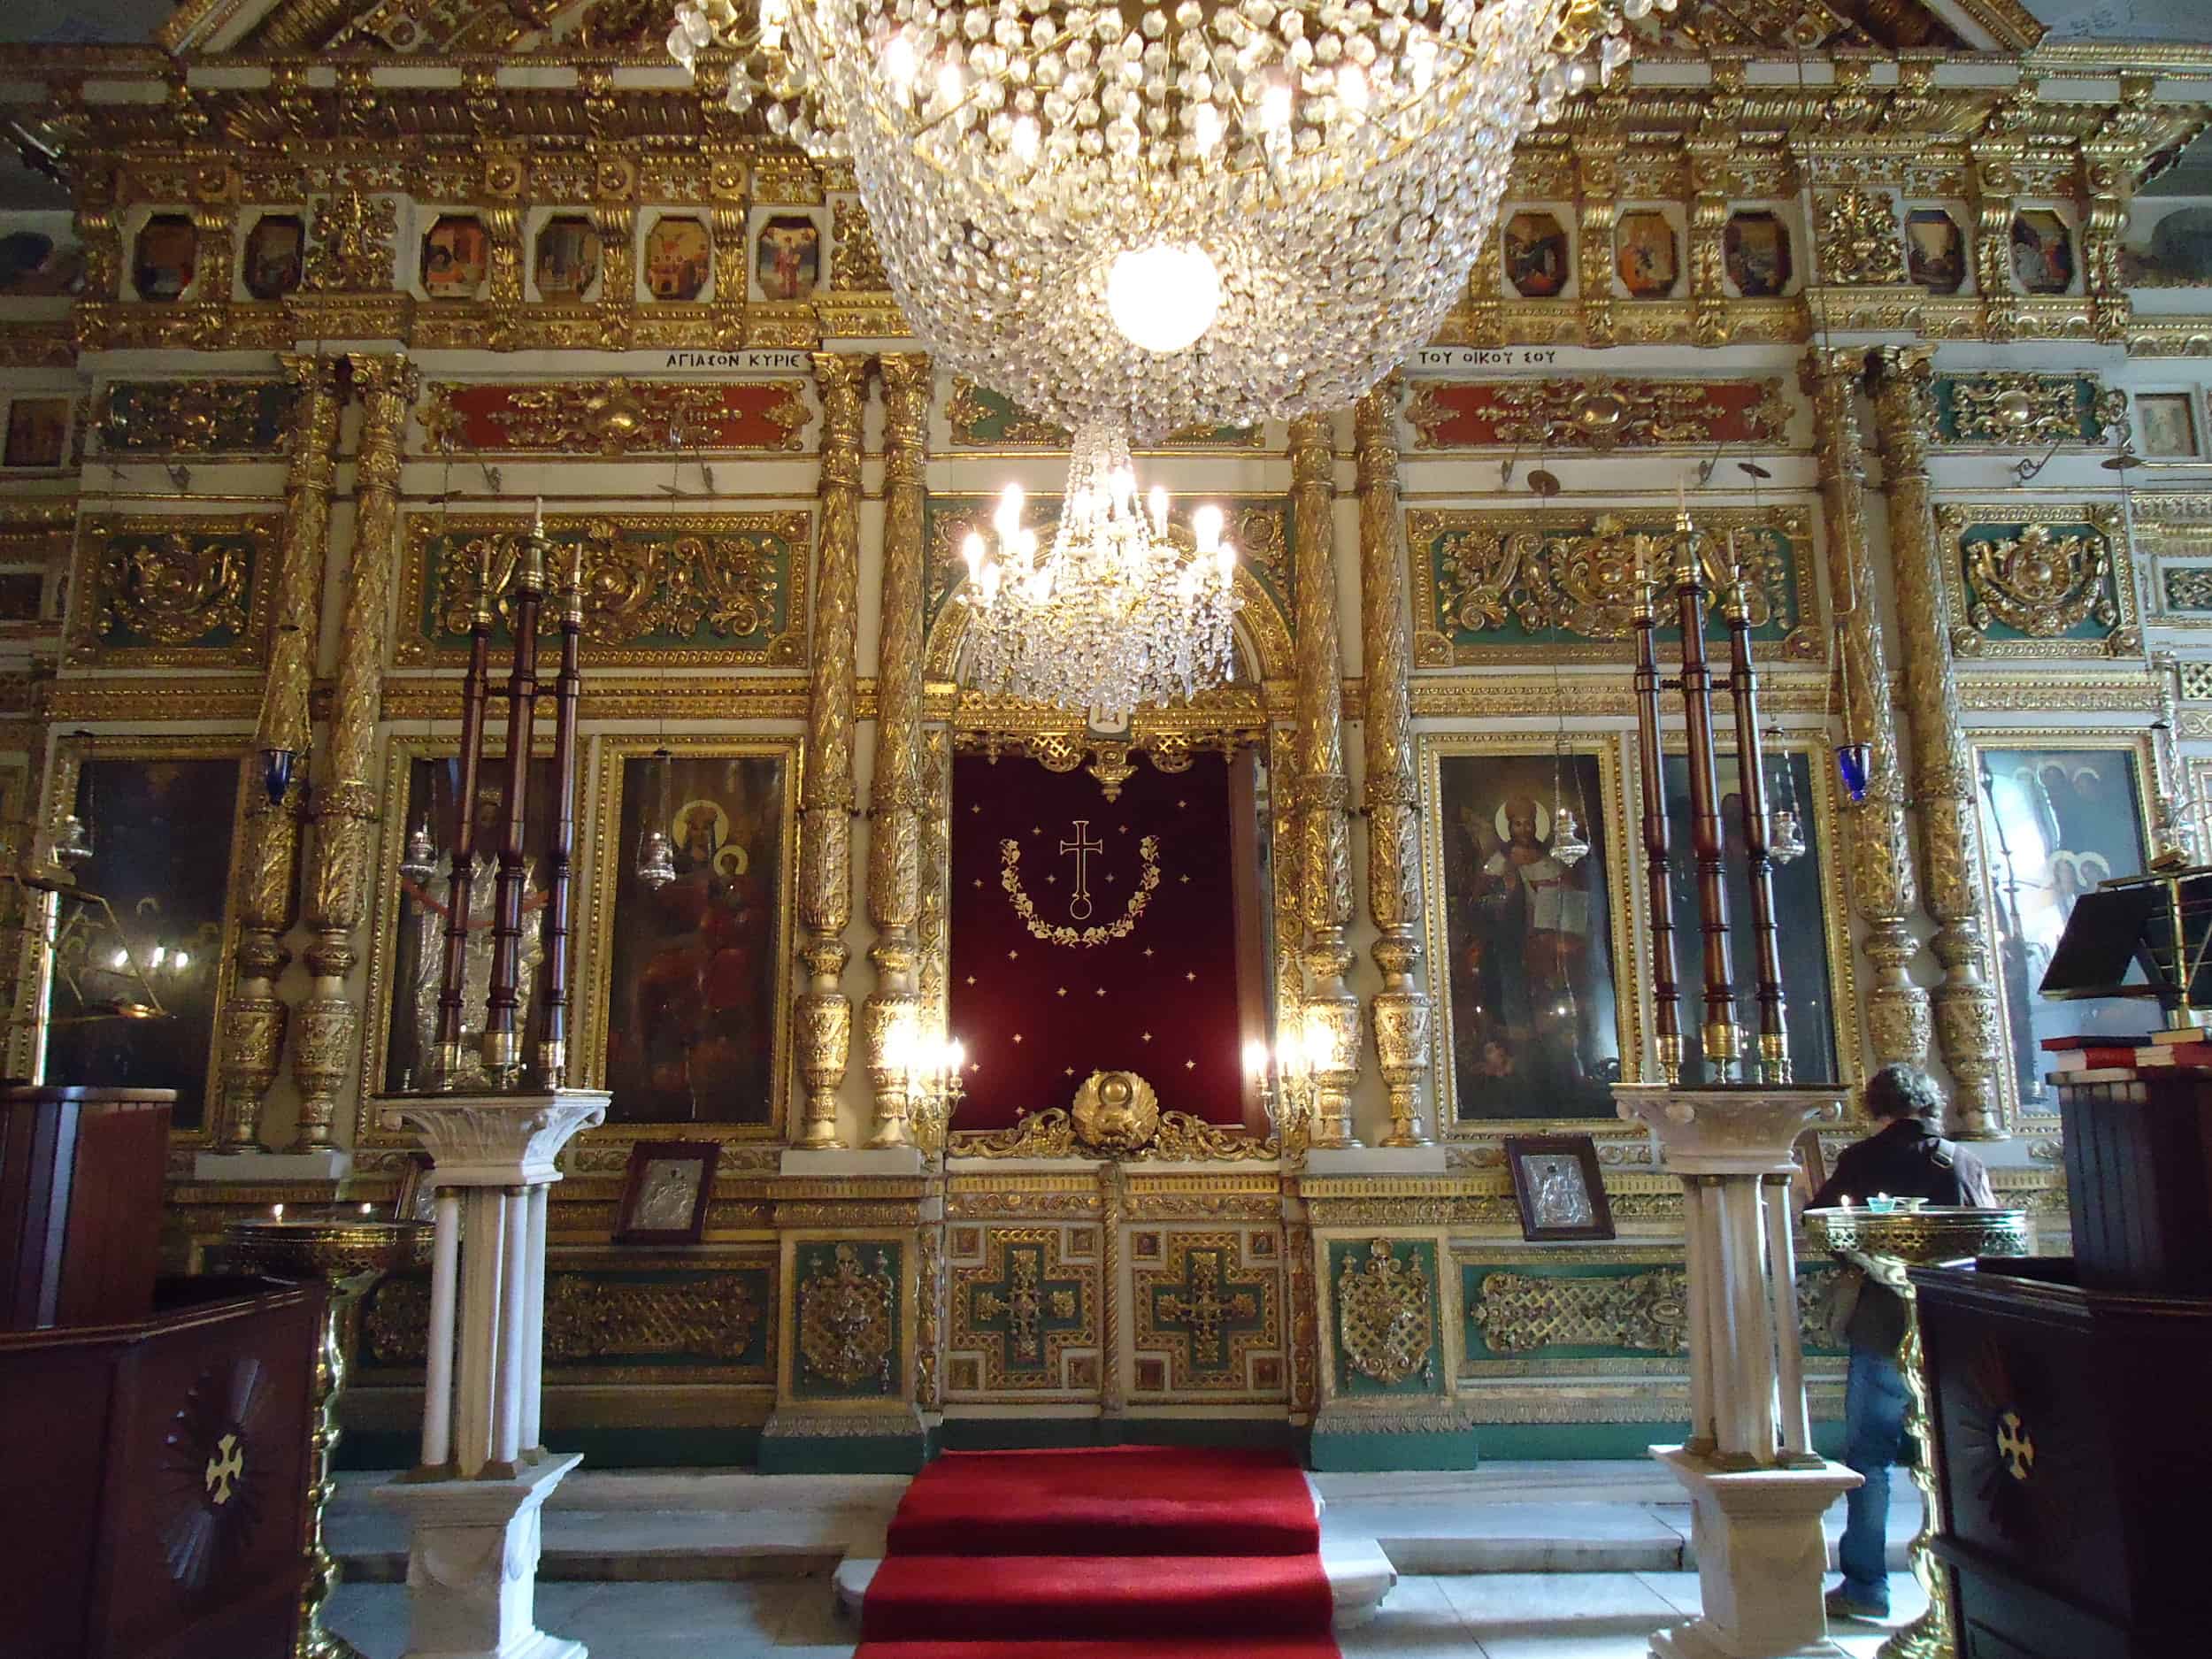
column 1116, row 611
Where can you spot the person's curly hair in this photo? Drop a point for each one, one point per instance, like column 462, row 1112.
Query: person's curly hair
column 1903, row 1091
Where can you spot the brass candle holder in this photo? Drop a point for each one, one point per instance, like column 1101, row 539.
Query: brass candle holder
column 349, row 1254
column 1885, row 1243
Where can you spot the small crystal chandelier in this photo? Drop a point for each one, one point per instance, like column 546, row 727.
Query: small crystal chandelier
column 1151, row 217
column 1112, row 614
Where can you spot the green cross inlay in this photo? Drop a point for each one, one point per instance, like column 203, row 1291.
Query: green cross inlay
column 1210, row 1308
column 1024, row 1308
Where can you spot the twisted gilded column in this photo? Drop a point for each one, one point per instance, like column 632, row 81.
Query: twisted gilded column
column 895, row 800
column 345, row 795
column 825, row 801
column 1877, row 849
column 1399, row 1011
column 1322, row 793
column 253, row 1018
column 1942, row 777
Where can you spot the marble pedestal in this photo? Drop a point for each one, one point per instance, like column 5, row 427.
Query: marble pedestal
column 1760, row 1557
column 473, row 1565
column 473, row 1498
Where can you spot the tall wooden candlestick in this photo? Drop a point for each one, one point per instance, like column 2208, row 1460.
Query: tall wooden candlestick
column 1666, row 992
column 1743, row 685
column 1722, row 1037
column 503, row 1036
column 460, row 884
column 553, row 1043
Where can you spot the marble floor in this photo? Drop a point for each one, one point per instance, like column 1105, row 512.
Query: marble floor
column 1464, row 1616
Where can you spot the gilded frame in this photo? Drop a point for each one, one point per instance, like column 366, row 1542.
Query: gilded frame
column 597, row 930
column 401, row 751
column 1611, row 751
column 784, row 650
column 69, row 755
column 1827, row 824
column 2177, row 531
column 1954, row 518
column 2017, row 1118
column 1433, row 647
column 37, row 535
column 264, row 530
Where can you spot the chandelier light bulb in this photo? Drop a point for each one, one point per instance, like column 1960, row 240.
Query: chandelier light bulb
column 1164, row 297
column 1157, row 501
column 899, row 62
column 1205, row 526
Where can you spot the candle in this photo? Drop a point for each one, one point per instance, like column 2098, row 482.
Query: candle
column 276, row 1213
column 364, row 1209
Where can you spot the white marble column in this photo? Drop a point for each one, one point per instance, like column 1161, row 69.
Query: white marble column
column 1756, row 1491
column 473, row 1500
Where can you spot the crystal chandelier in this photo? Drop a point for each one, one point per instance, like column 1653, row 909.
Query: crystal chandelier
column 1149, row 217
column 1114, row 613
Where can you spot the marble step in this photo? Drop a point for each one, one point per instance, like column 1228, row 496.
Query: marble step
column 1360, row 1576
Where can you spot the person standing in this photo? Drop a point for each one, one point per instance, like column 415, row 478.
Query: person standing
column 1907, row 1157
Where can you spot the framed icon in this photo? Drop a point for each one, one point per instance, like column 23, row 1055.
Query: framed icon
column 1935, row 251
column 1557, row 1185
column 1755, row 250
column 456, row 257
column 1537, row 258
column 1647, row 254
column 163, row 257
column 2042, row 252
column 2169, row 424
column 274, row 248
column 567, row 258
column 665, row 1192
column 787, row 256
column 678, row 257
column 38, row 431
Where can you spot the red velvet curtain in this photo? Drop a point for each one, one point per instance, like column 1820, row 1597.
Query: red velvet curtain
column 1137, row 972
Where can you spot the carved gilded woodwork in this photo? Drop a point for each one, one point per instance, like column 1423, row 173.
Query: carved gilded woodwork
column 1877, row 845
column 1207, row 1313
column 856, row 261
column 349, row 242
column 2047, row 588
column 1320, row 788
column 660, row 590
column 1399, row 1011
column 609, row 1326
column 2018, row 409
column 345, row 801
column 895, row 794
column 1516, row 1313
column 1029, row 1308
column 1385, row 1298
column 173, row 419
column 1859, row 244
column 1490, row 585
column 1599, row 413
column 174, row 592
column 827, row 796
column 1941, row 781
column 847, row 1318
column 1134, row 1128
column 980, row 419
column 252, row 1041
column 615, row 417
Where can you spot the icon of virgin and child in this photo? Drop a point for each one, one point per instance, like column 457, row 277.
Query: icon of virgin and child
column 1532, row 1025
column 692, row 1014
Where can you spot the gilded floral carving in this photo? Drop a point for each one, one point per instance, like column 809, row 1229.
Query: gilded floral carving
column 349, row 246
column 2041, row 583
column 848, row 1320
column 618, row 416
column 1386, row 1316
column 856, row 261
column 167, row 591
column 1596, row 412
column 1859, row 240
column 2026, row 409
column 1519, row 1312
column 724, row 587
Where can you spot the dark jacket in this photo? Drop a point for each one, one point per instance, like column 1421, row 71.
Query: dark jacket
column 1906, row 1158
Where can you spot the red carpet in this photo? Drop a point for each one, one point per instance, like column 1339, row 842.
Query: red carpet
column 1139, row 1552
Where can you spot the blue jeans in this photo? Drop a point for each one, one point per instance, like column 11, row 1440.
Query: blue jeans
column 1874, row 1402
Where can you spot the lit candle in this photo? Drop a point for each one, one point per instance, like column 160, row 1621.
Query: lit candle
column 365, row 1209
column 276, row 1213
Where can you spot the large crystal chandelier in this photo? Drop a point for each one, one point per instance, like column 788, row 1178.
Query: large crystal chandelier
column 1115, row 612
column 1151, row 218
column 1136, row 218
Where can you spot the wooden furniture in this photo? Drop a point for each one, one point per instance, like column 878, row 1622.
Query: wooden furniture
column 81, row 1194
column 2072, row 1460
column 2069, row 1394
column 156, row 1477
column 2139, row 1172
